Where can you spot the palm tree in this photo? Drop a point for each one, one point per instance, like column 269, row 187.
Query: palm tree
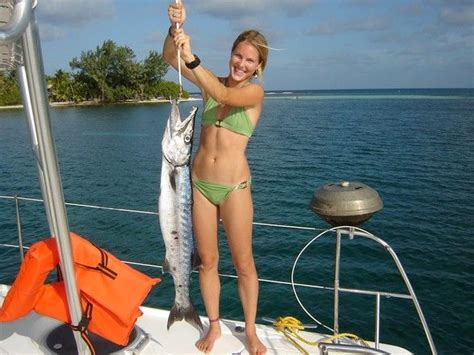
column 60, row 86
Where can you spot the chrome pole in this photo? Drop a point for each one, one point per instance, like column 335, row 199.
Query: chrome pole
column 407, row 282
column 19, row 20
column 18, row 226
column 377, row 321
column 336, row 282
column 49, row 170
column 402, row 272
column 28, row 108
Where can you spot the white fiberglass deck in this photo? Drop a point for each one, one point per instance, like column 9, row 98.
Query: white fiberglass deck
column 28, row 336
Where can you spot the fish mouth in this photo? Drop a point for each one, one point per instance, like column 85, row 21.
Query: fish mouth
column 177, row 126
column 187, row 125
column 177, row 140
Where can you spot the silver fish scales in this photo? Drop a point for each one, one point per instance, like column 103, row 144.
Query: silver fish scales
column 175, row 208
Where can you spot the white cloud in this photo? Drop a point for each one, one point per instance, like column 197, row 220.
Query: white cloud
column 458, row 16
column 338, row 27
column 155, row 37
column 362, row 2
column 74, row 12
column 51, row 32
column 411, row 9
column 231, row 9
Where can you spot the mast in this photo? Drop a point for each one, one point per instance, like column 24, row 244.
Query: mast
column 20, row 38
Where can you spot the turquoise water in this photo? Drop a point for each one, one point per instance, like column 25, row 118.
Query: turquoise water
column 415, row 147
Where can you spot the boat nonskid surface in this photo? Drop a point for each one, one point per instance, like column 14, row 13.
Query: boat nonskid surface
column 28, row 336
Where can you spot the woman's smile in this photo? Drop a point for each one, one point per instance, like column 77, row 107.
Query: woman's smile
column 244, row 61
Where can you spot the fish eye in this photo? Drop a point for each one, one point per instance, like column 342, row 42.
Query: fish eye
column 187, row 138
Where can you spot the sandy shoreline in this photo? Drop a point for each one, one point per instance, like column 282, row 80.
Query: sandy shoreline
column 95, row 103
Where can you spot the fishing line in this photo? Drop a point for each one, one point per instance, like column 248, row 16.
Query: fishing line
column 179, row 63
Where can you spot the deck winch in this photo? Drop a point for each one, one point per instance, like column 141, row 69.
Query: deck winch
column 346, row 203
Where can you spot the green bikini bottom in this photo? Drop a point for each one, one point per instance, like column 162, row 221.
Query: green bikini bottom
column 217, row 193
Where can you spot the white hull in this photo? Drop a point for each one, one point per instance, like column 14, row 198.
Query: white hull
column 28, row 336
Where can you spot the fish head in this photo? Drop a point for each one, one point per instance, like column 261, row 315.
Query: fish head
column 178, row 137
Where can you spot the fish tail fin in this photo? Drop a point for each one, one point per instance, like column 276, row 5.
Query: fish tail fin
column 192, row 317
column 189, row 314
column 175, row 314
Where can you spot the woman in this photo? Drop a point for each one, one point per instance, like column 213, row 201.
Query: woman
column 220, row 171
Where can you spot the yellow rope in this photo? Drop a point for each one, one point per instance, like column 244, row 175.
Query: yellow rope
column 345, row 335
column 290, row 326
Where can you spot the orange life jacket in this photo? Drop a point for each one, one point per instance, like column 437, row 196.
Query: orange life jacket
column 111, row 292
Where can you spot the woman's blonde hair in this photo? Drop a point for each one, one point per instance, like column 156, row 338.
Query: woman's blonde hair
column 257, row 40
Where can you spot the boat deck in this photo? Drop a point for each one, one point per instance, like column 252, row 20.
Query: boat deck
column 29, row 335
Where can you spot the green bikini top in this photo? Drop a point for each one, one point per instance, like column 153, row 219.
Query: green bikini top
column 237, row 120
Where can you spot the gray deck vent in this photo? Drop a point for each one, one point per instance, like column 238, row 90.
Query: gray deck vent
column 346, row 203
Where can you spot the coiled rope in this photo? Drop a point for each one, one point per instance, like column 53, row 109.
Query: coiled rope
column 290, row 326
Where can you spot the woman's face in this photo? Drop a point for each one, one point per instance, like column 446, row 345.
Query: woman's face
column 244, row 61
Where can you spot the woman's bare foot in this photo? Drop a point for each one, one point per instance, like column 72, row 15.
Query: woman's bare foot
column 255, row 346
column 206, row 344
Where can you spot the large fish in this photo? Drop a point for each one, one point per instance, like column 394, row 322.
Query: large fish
column 175, row 205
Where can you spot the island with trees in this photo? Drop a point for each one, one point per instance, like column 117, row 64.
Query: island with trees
column 108, row 74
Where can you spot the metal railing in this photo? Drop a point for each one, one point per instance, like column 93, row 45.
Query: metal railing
column 18, row 18
column 338, row 232
column 20, row 49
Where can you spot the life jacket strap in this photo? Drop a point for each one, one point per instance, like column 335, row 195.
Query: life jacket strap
column 83, row 325
column 102, row 266
column 107, row 271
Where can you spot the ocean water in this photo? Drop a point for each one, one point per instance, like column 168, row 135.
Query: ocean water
column 415, row 147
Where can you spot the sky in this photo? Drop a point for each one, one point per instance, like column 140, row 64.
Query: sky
column 318, row 44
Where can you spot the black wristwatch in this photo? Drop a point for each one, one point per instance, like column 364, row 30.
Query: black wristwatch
column 194, row 63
